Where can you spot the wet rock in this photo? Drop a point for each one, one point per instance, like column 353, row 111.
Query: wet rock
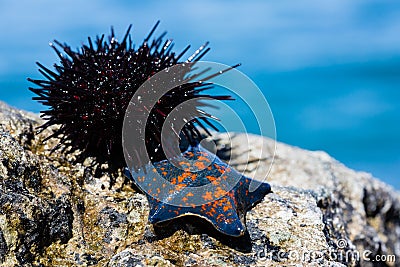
column 55, row 213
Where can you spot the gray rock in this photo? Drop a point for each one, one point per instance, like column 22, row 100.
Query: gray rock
column 55, row 213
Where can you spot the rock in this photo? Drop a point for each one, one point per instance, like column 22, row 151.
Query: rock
column 55, row 213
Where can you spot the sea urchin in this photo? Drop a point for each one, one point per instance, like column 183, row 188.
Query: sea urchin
column 90, row 89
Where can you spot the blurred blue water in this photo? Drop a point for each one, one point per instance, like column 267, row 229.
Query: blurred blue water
column 329, row 69
column 352, row 111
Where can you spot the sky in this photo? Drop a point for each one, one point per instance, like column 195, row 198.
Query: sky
column 330, row 70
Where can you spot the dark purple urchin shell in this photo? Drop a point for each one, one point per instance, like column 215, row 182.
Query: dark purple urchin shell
column 90, row 89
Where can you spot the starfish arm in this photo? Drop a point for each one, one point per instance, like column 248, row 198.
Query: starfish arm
column 245, row 198
column 223, row 215
column 220, row 213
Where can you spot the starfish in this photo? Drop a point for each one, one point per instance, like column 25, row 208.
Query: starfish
column 198, row 183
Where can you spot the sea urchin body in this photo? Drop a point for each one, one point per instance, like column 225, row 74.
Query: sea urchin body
column 90, row 89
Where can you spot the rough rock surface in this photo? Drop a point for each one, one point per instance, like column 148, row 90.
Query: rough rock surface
column 54, row 213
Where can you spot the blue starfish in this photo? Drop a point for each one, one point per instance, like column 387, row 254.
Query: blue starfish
column 202, row 185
